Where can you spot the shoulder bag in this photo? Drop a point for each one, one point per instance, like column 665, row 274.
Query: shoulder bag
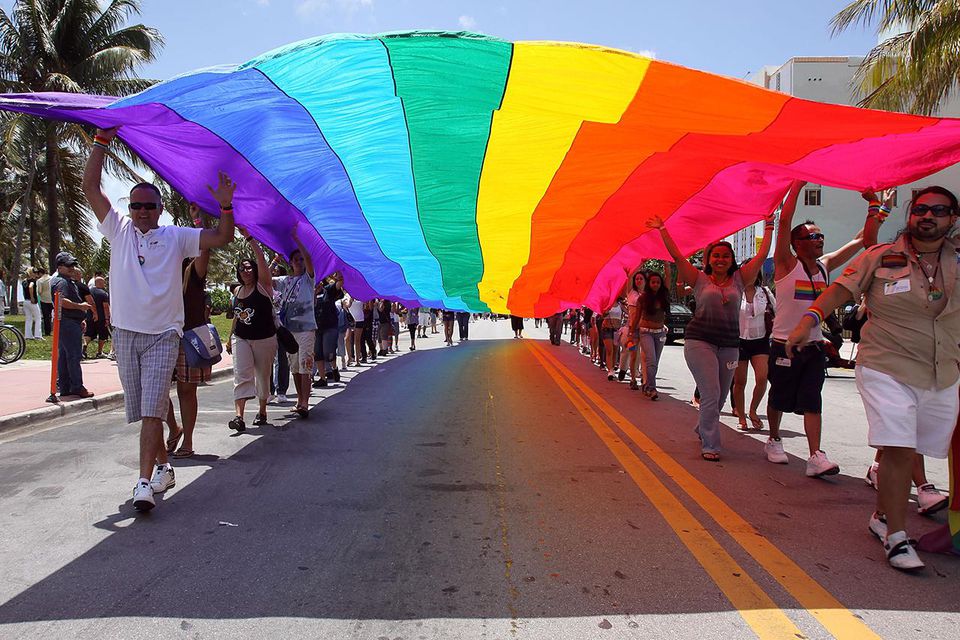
column 201, row 345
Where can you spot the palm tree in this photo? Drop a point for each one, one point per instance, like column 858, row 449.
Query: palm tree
column 917, row 67
column 74, row 46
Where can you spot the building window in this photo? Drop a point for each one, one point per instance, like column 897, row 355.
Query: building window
column 896, row 195
column 778, row 82
column 811, row 197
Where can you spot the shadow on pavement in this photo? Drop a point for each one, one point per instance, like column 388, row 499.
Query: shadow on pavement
column 424, row 490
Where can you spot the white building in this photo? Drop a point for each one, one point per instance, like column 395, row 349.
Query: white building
column 838, row 212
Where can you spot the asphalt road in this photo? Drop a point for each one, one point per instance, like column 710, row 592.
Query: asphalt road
column 496, row 489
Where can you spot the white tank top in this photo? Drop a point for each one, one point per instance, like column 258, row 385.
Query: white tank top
column 795, row 293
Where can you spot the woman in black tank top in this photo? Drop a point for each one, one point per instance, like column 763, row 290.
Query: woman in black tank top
column 253, row 336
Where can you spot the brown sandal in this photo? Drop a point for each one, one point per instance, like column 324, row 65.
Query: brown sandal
column 710, row 456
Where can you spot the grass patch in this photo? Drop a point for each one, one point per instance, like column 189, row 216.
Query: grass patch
column 40, row 350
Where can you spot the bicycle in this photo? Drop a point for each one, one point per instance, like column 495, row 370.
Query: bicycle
column 12, row 344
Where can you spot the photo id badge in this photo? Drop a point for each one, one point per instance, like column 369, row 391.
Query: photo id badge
column 900, row 286
column 783, row 362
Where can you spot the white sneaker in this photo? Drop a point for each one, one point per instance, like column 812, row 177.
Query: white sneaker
column 900, row 552
column 281, row 398
column 774, row 450
column 162, row 479
column 930, row 499
column 872, row 476
column 878, row 525
column 143, row 496
column 271, row 399
column 818, row 466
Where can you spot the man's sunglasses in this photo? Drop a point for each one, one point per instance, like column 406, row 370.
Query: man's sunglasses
column 149, row 206
column 938, row 210
column 813, row 236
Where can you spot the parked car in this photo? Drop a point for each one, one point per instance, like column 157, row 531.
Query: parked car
column 677, row 320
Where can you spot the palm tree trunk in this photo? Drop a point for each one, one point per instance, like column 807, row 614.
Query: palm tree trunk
column 33, row 238
column 26, row 213
column 53, row 175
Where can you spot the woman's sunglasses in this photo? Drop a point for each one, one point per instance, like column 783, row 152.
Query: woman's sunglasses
column 938, row 210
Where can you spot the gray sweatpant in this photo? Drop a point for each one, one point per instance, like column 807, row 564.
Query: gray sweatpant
column 712, row 368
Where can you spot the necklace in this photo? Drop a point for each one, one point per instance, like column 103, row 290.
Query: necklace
column 721, row 285
column 933, row 292
column 136, row 245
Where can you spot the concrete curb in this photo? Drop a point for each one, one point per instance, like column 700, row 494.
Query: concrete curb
column 77, row 408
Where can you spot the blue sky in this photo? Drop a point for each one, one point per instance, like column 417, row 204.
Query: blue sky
column 732, row 38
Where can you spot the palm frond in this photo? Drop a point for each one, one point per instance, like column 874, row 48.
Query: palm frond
column 913, row 71
column 61, row 82
column 886, row 13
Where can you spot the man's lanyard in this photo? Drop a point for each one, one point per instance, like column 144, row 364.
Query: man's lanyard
column 813, row 285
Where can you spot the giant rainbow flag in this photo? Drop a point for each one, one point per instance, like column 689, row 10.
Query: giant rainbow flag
column 463, row 171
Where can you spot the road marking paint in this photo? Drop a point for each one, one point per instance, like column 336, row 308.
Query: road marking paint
column 834, row 616
column 751, row 601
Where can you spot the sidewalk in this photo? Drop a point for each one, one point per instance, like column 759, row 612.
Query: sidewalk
column 26, row 386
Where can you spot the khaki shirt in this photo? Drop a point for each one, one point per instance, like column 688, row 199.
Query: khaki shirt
column 44, row 293
column 907, row 336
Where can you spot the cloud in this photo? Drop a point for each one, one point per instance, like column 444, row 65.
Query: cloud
column 647, row 53
column 467, row 22
column 263, row 3
column 311, row 8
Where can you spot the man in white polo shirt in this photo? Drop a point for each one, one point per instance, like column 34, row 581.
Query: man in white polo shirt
column 146, row 299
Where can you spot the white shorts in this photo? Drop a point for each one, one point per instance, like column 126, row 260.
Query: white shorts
column 899, row 415
column 302, row 361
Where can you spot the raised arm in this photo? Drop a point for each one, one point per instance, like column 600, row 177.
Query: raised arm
column 783, row 259
column 878, row 208
column 750, row 270
column 307, row 261
column 93, row 170
column 626, row 285
column 202, row 262
column 223, row 194
column 835, row 259
column 687, row 272
column 264, row 279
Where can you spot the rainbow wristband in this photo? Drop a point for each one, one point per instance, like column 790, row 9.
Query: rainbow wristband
column 102, row 145
column 885, row 209
column 816, row 313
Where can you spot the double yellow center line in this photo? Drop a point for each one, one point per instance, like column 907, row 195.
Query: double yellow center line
column 755, row 606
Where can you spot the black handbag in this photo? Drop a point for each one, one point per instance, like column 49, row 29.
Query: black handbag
column 286, row 340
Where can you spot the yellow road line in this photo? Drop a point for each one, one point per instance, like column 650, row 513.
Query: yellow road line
column 821, row 604
column 750, row 600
